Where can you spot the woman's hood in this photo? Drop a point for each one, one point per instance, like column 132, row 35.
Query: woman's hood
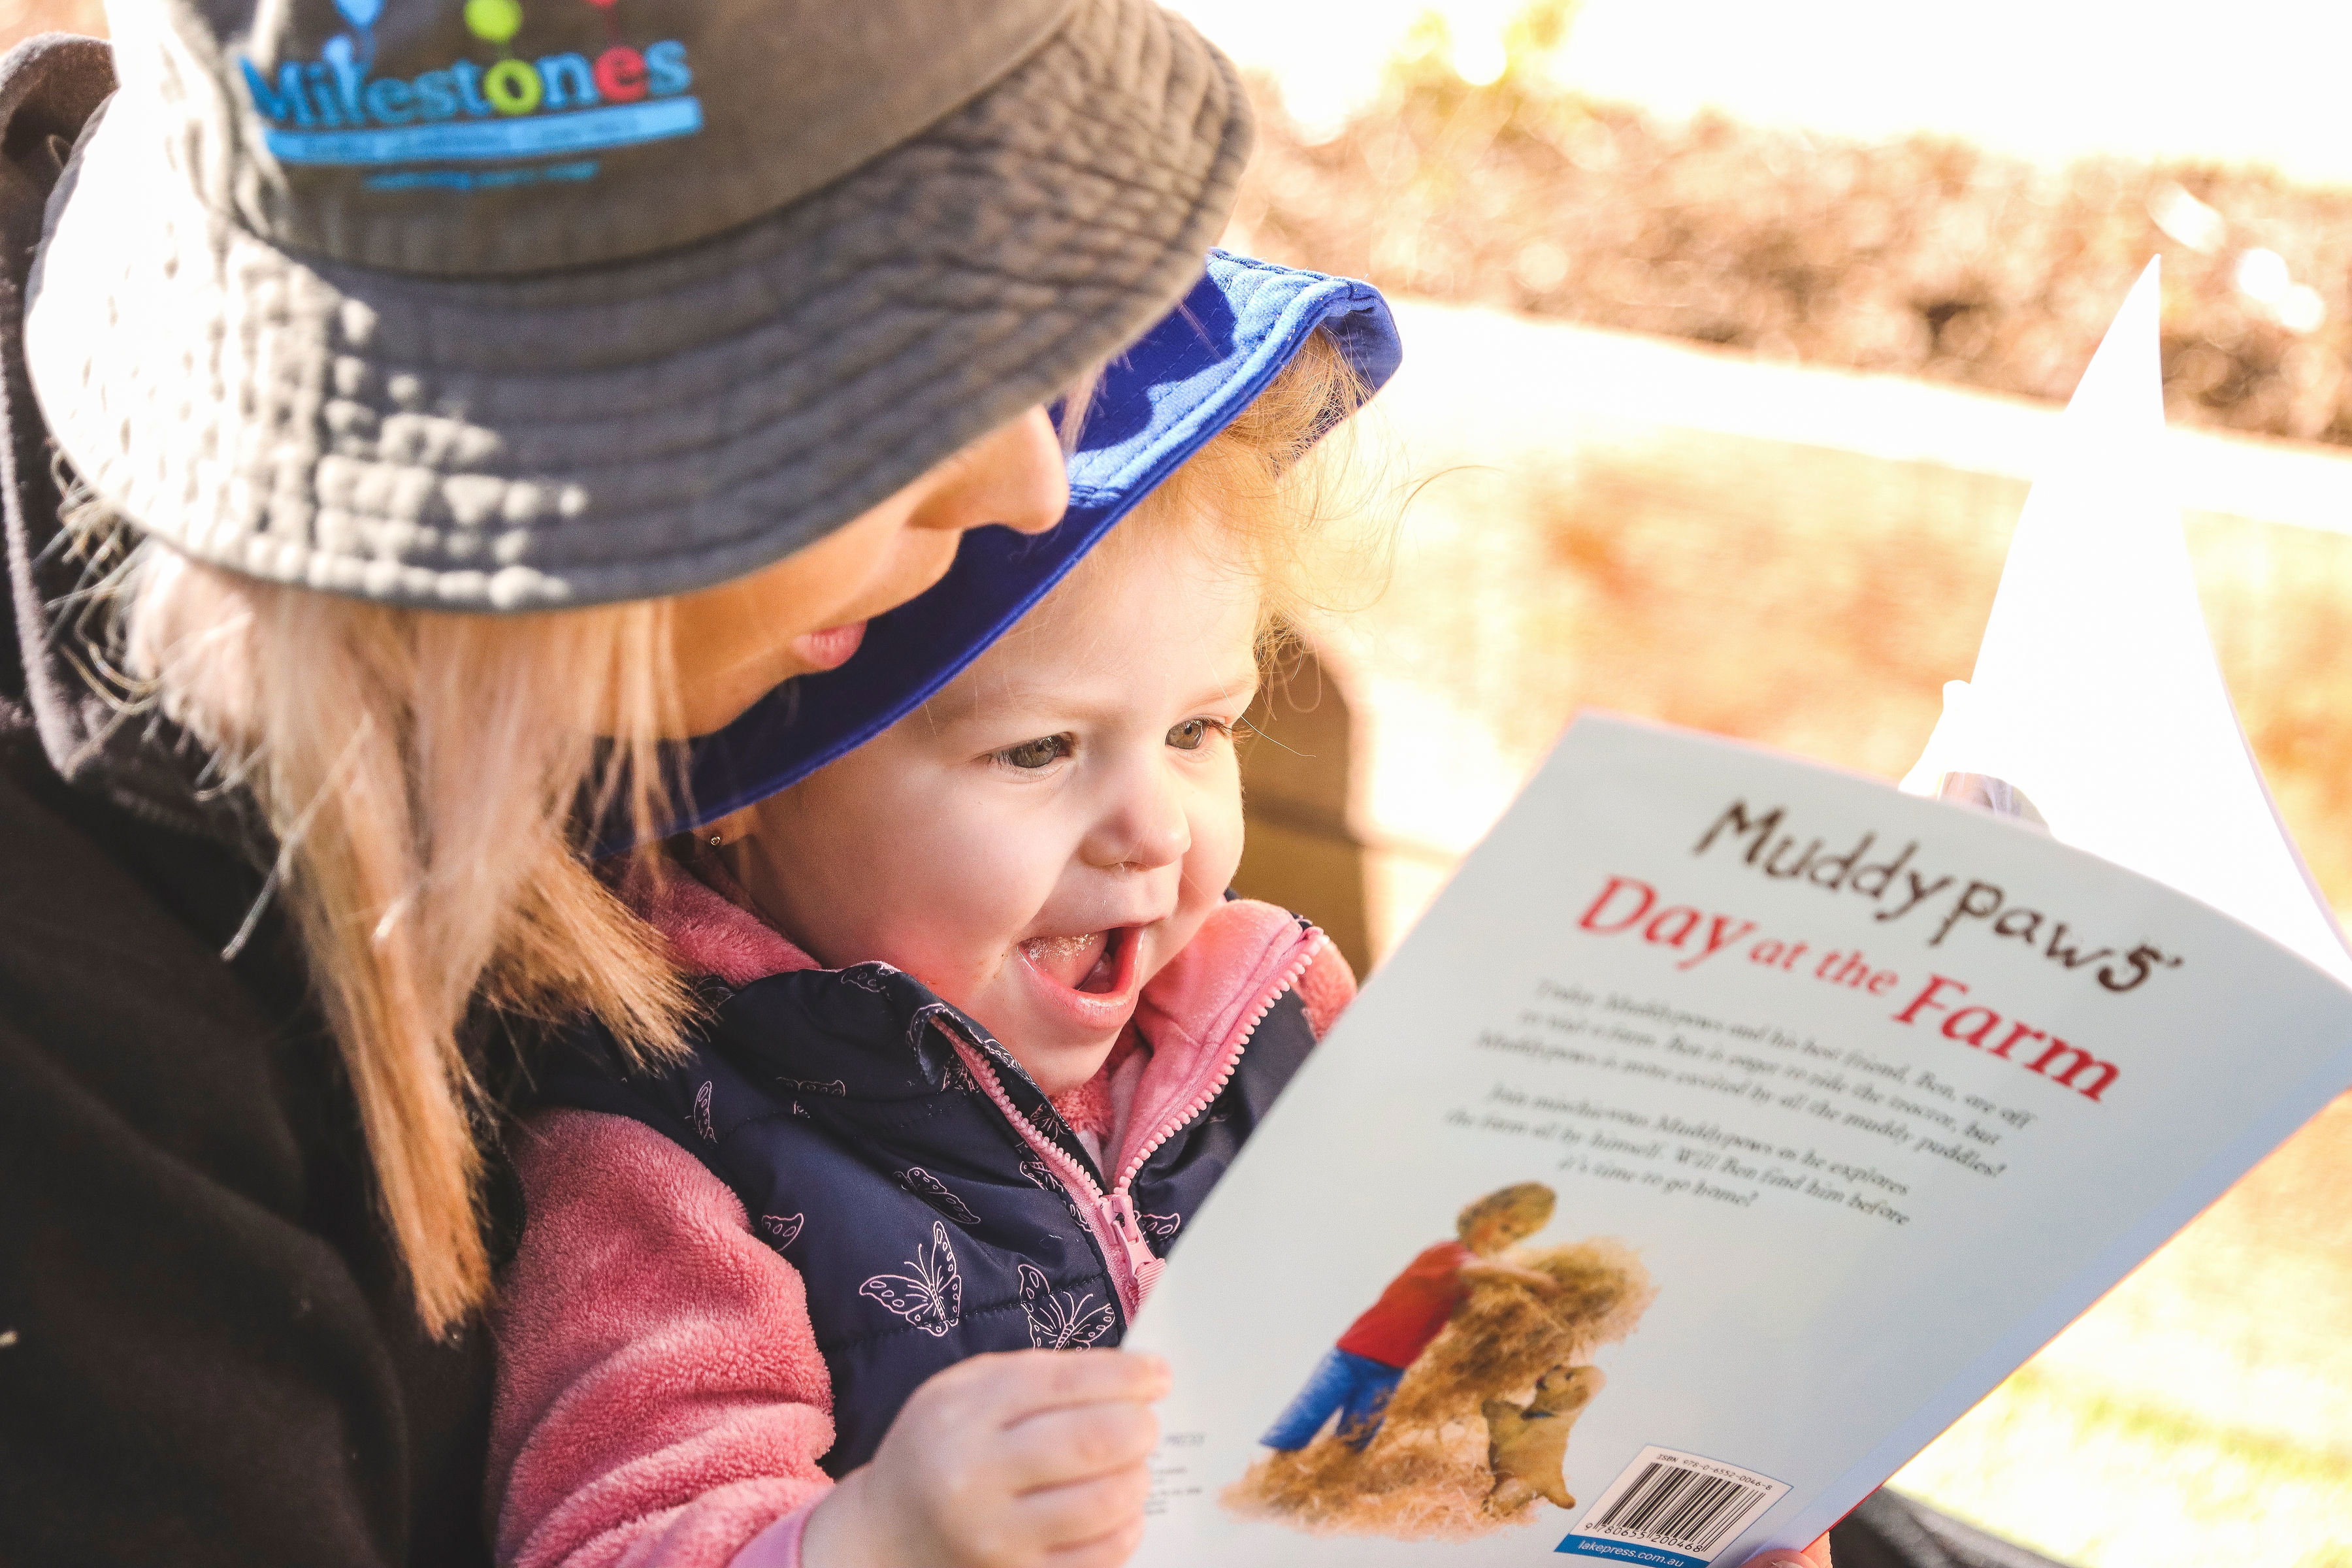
column 48, row 659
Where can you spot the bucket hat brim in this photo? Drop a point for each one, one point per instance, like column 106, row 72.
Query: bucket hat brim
column 640, row 428
column 1158, row 402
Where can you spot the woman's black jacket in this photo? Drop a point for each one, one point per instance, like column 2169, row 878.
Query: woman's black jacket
column 207, row 1353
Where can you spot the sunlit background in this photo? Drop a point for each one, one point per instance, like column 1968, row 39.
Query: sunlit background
column 2258, row 82
column 1734, row 335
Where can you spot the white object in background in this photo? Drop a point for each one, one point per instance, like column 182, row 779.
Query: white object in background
column 2096, row 694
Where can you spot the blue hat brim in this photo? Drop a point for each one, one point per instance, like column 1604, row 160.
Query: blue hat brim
column 1157, row 404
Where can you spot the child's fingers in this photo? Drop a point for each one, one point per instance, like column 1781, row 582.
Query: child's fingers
column 1817, row 1555
column 1097, row 1520
column 1080, row 1511
column 1075, row 1443
column 1110, row 1550
column 1023, row 1383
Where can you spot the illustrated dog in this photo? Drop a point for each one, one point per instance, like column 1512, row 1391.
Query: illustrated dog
column 1526, row 1445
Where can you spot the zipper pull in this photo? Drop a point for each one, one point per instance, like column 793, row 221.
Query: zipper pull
column 1118, row 1207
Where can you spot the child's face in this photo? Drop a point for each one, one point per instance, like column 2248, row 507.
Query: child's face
column 1043, row 835
column 1499, row 1231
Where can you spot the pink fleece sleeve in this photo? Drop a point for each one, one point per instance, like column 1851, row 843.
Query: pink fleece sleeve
column 660, row 1396
column 1326, row 989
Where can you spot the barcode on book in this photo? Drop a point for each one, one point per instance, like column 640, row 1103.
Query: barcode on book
column 1688, row 1506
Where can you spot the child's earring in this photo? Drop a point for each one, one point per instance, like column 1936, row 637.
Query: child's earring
column 727, row 833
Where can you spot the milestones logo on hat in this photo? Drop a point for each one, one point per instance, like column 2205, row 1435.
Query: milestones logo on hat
column 462, row 137
column 334, row 110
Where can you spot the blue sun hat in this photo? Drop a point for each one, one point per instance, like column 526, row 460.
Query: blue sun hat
column 1158, row 402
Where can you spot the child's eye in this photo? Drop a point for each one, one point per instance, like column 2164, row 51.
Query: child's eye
column 1189, row 735
column 1043, row 752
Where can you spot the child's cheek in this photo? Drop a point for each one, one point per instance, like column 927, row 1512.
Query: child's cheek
column 993, row 875
column 1217, row 834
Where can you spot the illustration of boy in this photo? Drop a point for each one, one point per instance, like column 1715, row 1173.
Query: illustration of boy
column 1358, row 1375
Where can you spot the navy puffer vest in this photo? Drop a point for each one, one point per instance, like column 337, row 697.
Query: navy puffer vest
column 933, row 1200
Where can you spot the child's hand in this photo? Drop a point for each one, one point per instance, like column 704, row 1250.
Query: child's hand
column 1004, row 1461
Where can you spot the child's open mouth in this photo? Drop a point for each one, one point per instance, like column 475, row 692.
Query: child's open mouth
column 1096, row 962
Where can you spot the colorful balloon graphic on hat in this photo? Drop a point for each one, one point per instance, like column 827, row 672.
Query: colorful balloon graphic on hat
column 360, row 13
column 492, row 21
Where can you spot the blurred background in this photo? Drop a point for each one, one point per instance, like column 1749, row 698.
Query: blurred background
column 1734, row 335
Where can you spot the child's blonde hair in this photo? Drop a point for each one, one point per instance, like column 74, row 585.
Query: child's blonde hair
column 1267, row 485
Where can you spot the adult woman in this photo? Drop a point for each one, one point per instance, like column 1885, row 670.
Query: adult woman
column 348, row 324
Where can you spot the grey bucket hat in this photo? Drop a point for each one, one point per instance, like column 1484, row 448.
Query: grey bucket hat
column 521, row 304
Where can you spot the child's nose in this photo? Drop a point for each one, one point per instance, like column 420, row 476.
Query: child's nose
column 1145, row 828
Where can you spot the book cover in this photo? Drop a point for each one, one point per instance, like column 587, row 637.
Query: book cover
column 1732, row 1124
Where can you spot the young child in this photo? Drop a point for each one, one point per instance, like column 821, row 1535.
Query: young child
column 985, row 1028
column 1357, row 1377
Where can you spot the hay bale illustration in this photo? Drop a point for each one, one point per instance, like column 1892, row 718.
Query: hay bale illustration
column 1426, row 1476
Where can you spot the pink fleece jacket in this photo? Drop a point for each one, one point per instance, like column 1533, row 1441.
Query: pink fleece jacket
column 661, row 1399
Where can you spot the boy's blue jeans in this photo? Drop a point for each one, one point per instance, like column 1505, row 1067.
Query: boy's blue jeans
column 1356, row 1386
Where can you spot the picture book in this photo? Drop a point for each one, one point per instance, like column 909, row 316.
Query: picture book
column 1732, row 1124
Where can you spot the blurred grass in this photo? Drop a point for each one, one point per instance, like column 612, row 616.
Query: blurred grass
column 1923, row 255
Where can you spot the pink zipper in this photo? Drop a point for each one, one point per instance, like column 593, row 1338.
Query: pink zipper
column 1102, row 1217
column 1174, row 1123
column 1112, row 1216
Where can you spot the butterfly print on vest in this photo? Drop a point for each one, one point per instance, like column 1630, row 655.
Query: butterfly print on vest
column 931, row 1298
column 1057, row 1320
column 832, row 1086
column 867, row 977
column 934, row 1192
column 1159, row 1226
column 785, row 1228
column 702, row 1113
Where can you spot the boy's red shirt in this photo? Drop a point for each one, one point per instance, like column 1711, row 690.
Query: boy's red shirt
column 1413, row 1311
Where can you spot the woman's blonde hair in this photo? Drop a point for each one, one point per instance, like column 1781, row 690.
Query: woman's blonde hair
column 426, row 776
